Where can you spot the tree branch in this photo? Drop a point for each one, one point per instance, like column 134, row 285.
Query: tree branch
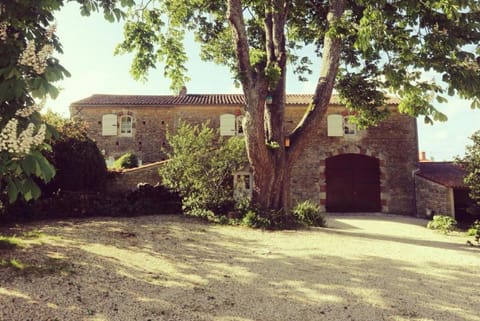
column 326, row 81
column 235, row 16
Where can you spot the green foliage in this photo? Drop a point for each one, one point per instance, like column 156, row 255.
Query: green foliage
column 443, row 223
column 252, row 215
column 386, row 45
column 200, row 169
column 252, row 219
column 13, row 263
column 127, row 160
column 28, row 70
column 147, row 200
column 18, row 175
column 8, row 243
column 80, row 164
column 471, row 163
column 474, row 231
column 309, row 214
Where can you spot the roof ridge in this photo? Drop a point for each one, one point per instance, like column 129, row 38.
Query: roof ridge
column 192, row 99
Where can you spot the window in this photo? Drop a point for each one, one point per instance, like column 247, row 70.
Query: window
column 349, row 128
column 109, row 125
column 239, row 126
column 126, row 126
column 231, row 125
column 242, row 185
column 338, row 126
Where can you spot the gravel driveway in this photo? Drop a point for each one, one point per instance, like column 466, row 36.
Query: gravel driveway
column 371, row 267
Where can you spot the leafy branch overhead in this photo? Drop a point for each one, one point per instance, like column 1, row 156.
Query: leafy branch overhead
column 417, row 51
column 389, row 45
column 28, row 69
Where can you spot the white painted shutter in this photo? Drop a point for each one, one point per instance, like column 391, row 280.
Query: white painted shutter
column 227, row 125
column 109, row 125
column 335, row 125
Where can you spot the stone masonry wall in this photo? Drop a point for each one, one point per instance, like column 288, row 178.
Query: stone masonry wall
column 393, row 143
column 127, row 180
column 151, row 124
column 433, row 197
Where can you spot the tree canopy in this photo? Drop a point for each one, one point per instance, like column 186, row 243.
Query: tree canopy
column 419, row 51
column 386, row 46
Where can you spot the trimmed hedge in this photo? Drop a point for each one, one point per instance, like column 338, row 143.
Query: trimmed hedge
column 145, row 200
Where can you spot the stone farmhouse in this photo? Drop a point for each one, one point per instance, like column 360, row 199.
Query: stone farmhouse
column 343, row 168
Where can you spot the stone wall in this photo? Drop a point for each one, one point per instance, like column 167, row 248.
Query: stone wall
column 433, row 198
column 393, row 143
column 128, row 179
column 151, row 124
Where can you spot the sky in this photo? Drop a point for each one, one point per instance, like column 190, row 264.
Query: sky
column 89, row 42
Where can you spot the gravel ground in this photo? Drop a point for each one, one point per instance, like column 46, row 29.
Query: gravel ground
column 369, row 267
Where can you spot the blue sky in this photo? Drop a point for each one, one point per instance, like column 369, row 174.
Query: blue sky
column 88, row 44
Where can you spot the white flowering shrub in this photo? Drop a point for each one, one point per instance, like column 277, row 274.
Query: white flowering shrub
column 28, row 70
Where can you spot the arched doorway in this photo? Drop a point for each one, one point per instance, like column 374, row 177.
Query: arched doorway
column 353, row 183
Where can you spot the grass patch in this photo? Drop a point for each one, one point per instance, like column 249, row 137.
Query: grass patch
column 33, row 234
column 13, row 263
column 46, row 266
column 9, row 242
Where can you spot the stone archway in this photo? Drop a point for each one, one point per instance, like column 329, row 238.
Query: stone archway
column 355, row 149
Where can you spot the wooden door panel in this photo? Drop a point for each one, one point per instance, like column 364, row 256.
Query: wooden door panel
column 353, row 183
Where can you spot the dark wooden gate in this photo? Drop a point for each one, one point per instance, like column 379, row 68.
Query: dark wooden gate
column 353, row 183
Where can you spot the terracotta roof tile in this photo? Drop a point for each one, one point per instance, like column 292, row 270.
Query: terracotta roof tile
column 448, row 174
column 190, row 99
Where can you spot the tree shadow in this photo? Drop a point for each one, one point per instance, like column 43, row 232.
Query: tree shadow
column 172, row 268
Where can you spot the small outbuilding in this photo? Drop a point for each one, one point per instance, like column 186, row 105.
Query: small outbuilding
column 440, row 190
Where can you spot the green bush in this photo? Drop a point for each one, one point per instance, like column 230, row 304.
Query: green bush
column 442, row 223
column 79, row 163
column 254, row 216
column 145, row 200
column 252, row 219
column 200, row 169
column 309, row 214
column 127, row 160
column 471, row 164
column 474, row 230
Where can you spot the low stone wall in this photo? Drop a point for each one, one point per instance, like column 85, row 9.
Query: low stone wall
column 128, row 179
column 433, row 198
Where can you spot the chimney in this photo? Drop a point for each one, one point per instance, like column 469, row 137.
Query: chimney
column 183, row 91
column 422, row 156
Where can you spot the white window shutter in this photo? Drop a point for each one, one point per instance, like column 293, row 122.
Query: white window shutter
column 335, row 125
column 227, row 125
column 109, row 125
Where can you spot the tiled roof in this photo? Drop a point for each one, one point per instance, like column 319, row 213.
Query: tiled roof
column 190, row 99
column 448, row 174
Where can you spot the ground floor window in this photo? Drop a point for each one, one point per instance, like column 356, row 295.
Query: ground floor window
column 242, row 185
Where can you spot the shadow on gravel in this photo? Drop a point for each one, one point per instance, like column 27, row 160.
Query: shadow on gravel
column 172, row 268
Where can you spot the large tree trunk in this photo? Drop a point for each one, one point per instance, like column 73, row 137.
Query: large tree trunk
column 264, row 131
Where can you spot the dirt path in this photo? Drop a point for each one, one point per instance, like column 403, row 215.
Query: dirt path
column 171, row 268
